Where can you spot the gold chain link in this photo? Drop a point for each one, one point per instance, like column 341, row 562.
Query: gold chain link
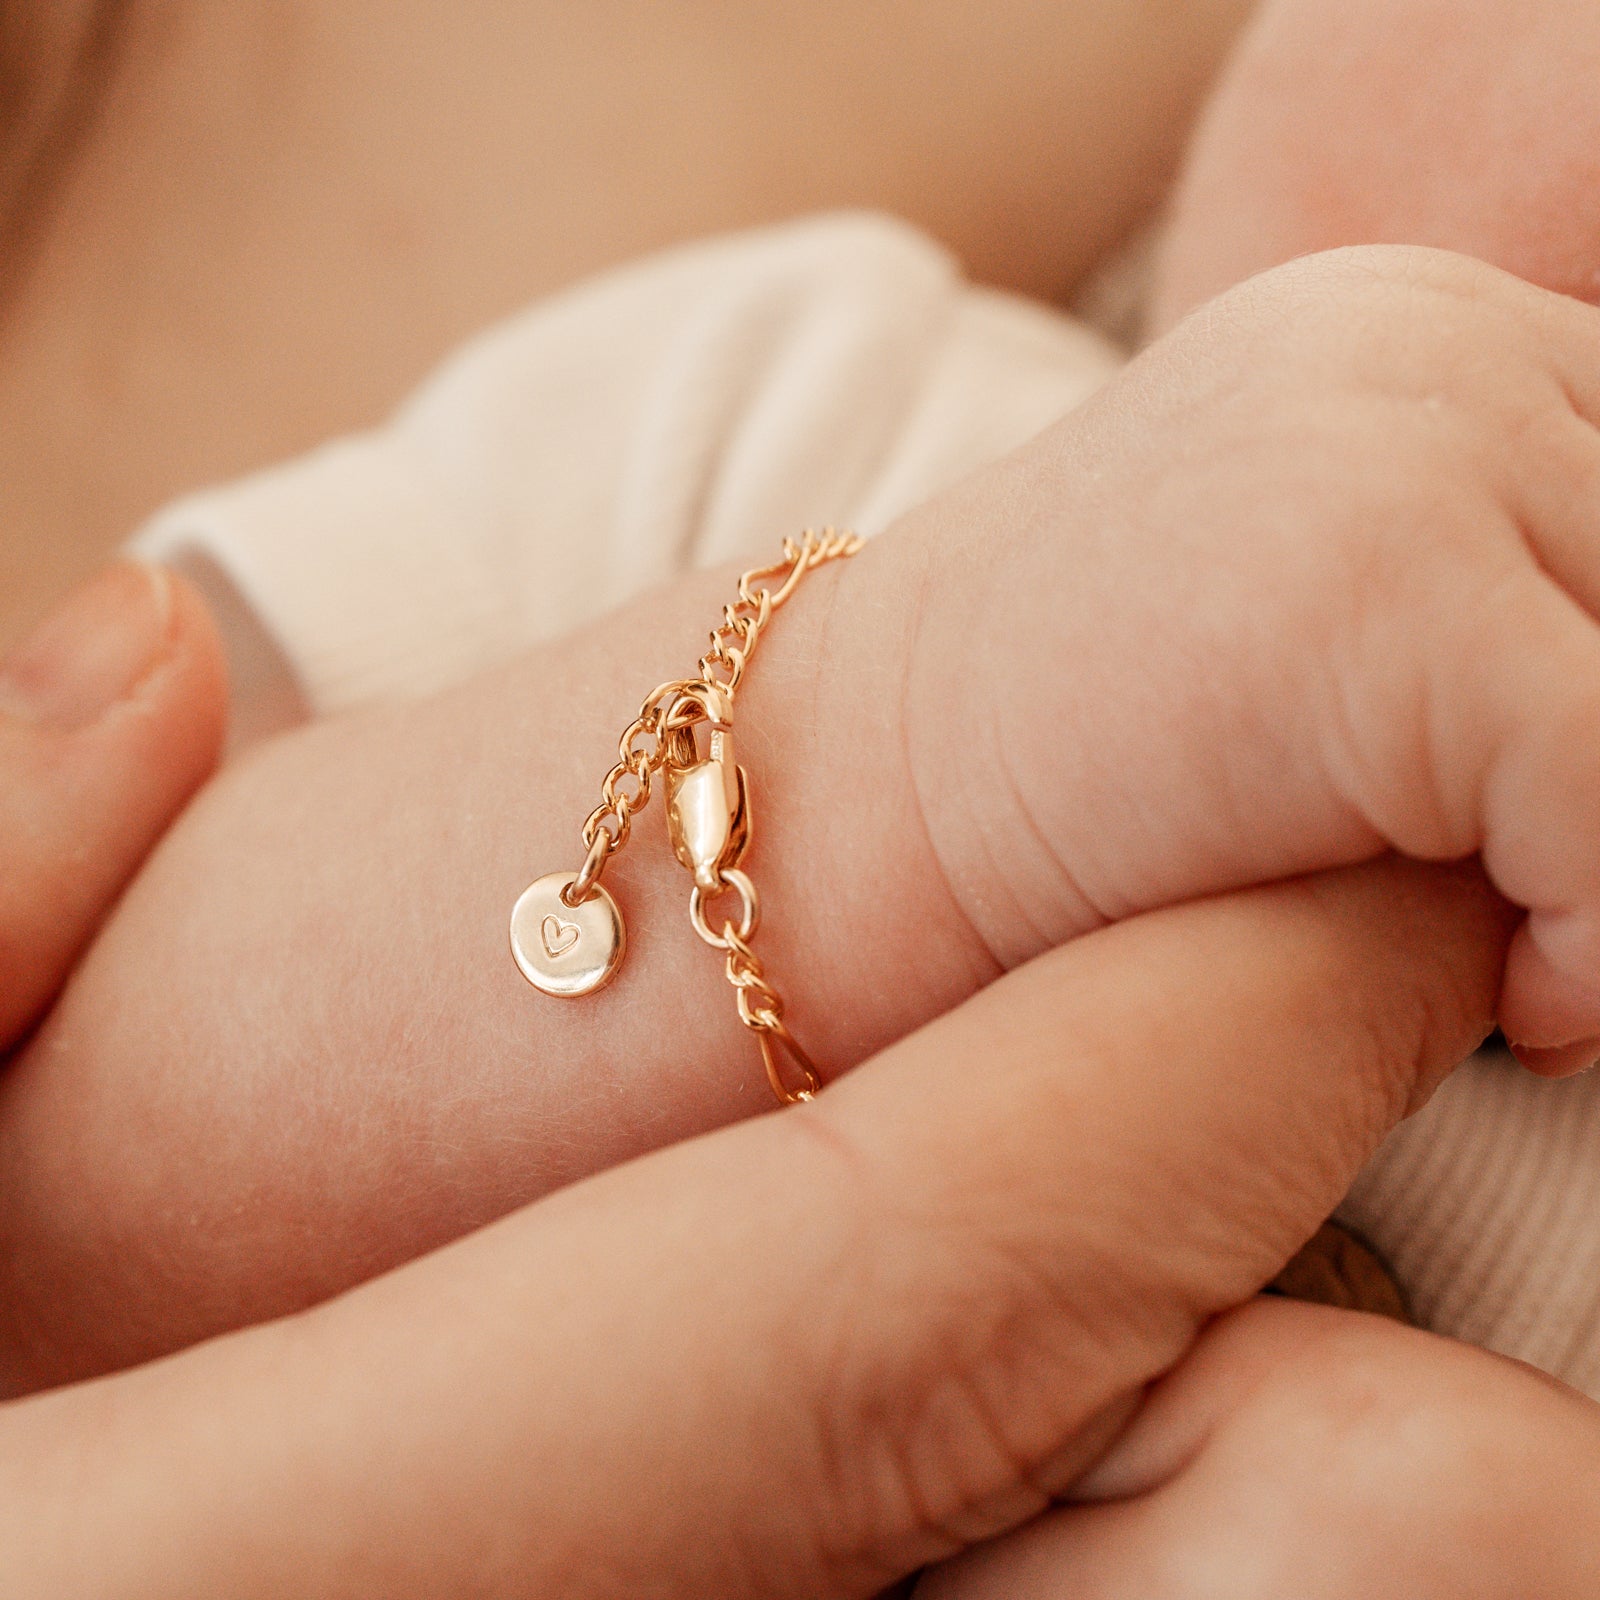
column 646, row 747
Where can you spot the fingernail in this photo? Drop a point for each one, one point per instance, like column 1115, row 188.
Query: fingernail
column 91, row 650
column 1558, row 1061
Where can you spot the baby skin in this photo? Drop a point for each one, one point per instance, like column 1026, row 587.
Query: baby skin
column 1310, row 583
column 1320, row 1454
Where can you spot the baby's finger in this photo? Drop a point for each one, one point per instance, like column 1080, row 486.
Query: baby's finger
column 1570, row 333
column 111, row 715
column 1556, row 499
column 1523, row 713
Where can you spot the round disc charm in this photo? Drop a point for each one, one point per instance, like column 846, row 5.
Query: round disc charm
column 566, row 950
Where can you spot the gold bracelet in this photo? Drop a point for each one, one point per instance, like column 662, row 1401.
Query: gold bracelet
column 568, row 936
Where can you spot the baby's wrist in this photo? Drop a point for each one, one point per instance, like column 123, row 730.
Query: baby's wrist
column 859, row 931
column 983, row 730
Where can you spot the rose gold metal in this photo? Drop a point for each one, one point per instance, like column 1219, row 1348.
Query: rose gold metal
column 588, row 878
column 708, row 814
column 810, row 1079
column 563, row 949
column 708, row 798
column 750, row 913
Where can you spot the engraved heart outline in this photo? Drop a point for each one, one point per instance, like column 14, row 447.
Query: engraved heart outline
column 557, row 936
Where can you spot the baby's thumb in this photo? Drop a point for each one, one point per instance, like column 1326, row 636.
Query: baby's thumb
column 111, row 715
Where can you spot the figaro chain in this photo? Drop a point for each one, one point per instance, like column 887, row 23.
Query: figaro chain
column 568, row 936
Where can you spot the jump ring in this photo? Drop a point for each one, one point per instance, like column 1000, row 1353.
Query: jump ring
column 594, row 863
column 750, row 916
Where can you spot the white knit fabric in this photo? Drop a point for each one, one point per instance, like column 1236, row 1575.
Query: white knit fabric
column 688, row 411
column 676, row 414
column 1487, row 1206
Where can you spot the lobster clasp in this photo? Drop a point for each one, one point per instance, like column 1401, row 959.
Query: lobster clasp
column 708, row 805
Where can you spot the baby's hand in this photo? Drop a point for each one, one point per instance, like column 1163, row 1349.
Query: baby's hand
column 1326, row 1455
column 1316, row 579
column 1309, row 583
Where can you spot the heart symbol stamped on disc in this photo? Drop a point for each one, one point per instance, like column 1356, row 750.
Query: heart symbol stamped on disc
column 565, row 949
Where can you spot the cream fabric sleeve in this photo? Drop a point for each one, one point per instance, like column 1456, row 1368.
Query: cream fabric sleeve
column 682, row 412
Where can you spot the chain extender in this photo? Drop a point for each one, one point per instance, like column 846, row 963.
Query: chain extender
column 567, row 935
